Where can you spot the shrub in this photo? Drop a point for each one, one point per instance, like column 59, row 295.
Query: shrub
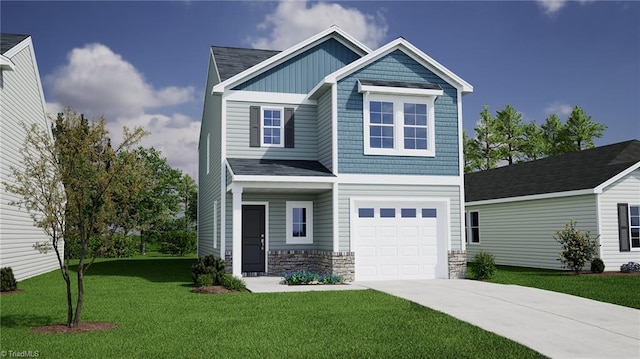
column 577, row 248
column 207, row 266
column 232, row 283
column 597, row 265
column 8, row 280
column 330, row 279
column 118, row 246
column 178, row 242
column 483, row 265
column 630, row 267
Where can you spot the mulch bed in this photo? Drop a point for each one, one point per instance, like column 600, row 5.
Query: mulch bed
column 214, row 289
column 9, row 292
column 83, row 327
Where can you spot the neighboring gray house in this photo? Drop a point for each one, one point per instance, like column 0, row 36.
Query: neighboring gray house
column 332, row 157
column 514, row 211
column 22, row 100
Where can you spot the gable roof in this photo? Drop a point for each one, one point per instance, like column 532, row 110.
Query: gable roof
column 8, row 41
column 406, row 47
column 587, row 169
column 280, row 57
column 231, row 61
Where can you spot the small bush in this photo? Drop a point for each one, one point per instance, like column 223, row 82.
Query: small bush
column 178, row 242
column 597, row 265
column 118, row 246
column 208, row 266
column 577, row 248
column 232, row 283
column 483, row 265
column 302, row 277
column 630, row 267
column 8, row 280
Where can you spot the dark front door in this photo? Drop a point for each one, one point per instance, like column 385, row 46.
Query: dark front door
column 253, row 238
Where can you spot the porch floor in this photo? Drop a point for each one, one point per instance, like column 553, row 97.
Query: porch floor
column 272, row 285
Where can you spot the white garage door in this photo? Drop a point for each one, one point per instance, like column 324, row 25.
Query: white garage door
column 398, row 241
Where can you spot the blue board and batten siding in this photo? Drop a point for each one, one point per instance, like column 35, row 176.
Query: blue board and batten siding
column 304, row 71
column 396, row 66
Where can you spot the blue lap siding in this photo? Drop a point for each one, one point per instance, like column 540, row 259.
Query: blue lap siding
column 396, row 66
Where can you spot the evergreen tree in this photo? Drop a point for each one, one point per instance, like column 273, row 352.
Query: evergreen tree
column 579, row 131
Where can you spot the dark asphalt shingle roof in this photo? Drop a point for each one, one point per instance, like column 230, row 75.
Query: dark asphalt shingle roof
column 568, row 172
column 262, row 167
column 233, row 60
column 403, row 84
column 7, row 41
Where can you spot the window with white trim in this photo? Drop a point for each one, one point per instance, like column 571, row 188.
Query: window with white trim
column 399, row 125
column 299, row 222
column 272, row 127
column 634, row 226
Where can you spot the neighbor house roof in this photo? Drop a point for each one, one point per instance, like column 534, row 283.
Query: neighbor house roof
column 233, row 60
column 8, row 41
column 581, row 170
column 262, row 167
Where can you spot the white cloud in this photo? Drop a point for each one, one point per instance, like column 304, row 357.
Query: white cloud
column 560, row 109
column 552, row 7
column 98, row 82
column 294, row 21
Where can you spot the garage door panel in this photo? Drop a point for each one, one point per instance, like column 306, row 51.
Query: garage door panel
column 400, row 247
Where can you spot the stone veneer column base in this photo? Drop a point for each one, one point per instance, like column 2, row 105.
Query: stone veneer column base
column 457, row 265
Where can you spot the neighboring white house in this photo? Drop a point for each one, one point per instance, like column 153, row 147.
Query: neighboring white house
column 514, row 211
column 21, row 100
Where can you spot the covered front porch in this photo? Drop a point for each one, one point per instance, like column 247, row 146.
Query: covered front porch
column 280, row 218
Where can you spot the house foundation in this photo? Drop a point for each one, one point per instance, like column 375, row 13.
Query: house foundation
column 457, row 265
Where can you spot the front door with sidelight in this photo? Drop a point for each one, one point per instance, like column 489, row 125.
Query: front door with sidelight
column 253, row 238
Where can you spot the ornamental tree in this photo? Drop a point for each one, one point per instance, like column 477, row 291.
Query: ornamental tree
column 578, row 248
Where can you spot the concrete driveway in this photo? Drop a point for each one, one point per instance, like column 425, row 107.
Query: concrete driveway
column 554, row 324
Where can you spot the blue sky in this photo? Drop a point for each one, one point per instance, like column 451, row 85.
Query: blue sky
column 145, row 63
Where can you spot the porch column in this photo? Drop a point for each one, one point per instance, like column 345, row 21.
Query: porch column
column 236, row 217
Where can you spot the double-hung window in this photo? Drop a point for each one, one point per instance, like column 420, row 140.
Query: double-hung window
column 629, row 227
column 272, row 127
column 299, row 224
column 472, row 224
column 398, row 121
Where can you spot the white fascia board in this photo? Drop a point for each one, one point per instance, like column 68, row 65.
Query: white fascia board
column 270, row 97
column 411, row 51
column 615, row 178
column 284, row 179
column 19, row 47
column 579, row 192
column 6, row 64
column 398, row 90
column 273, row 61
column 230, row 170
column 400, row 180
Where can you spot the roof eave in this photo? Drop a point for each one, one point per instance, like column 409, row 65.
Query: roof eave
column 6, row 64
column 269, row 63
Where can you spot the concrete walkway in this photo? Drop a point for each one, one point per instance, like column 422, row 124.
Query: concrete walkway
column 554, row 324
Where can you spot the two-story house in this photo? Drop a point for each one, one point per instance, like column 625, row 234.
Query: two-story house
column 332, row 157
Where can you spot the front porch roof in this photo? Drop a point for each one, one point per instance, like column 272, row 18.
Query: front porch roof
column 264, row 167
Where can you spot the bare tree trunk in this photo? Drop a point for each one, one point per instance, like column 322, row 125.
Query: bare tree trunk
column 80, row 302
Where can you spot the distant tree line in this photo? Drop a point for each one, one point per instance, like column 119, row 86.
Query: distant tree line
column 505, row 138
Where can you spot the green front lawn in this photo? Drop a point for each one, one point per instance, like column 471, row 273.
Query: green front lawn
column 157, row 317
column 617, row 289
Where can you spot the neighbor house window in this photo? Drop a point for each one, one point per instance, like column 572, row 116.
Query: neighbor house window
column 628, row 227
column 634, row 226
column 299, row 222
column 473, row 227
column 272, row 131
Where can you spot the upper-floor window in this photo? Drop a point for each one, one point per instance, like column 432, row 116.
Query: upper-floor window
column 398, row 121
column 272, row 127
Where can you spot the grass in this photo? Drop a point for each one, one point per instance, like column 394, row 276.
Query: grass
column 616, row 289
column 149, row 300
